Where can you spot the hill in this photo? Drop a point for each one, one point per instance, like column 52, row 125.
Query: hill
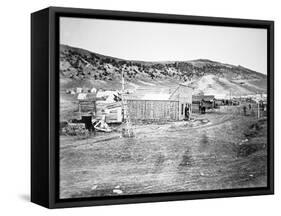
column 79, row 67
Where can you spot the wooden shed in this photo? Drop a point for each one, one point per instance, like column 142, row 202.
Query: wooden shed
column 160, row 104
column 153, row 109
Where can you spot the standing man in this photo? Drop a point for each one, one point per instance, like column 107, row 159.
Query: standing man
column 186, row 112
column 245, row 110
column 189, row 111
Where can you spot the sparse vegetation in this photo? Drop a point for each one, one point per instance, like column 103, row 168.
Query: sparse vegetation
column 81, row 64
column 218, row 150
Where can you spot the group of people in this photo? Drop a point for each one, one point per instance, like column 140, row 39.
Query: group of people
column 202, row 108
column 261, row 107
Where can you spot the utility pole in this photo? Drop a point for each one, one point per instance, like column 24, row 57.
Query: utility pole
column 258, row 106
column 258, row 109
column 122, row 93
column 127, row 130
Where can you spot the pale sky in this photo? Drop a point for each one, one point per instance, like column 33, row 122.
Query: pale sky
column 147, row 41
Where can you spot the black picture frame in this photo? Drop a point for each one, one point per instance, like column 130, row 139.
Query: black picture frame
column 45, row 106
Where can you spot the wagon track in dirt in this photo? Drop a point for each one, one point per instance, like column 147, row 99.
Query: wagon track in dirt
column 159, row 159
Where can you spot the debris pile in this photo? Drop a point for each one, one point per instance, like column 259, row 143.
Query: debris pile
column 75, row 129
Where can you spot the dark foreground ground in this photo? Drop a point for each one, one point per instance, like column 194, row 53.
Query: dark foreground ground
column 218, row 150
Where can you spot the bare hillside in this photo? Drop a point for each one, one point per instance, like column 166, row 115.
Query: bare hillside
column 79, row 67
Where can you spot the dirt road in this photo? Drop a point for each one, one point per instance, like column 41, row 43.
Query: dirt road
column 217, row 151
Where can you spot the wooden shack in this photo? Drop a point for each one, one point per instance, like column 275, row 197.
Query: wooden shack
column 112, row 112
column 160, row 104
column 86, row 103
column 153, row 109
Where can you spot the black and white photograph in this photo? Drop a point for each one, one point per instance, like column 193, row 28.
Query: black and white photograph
column 151, row 108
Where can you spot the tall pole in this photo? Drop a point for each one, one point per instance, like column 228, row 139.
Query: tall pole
column 258, row 109
column 123, row 81
column 127, row 129
column 258, row 104
column 122, row 93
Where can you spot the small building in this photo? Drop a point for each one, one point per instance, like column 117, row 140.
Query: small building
column 93, row 90
column 220, row 102
column 85, row 90
column 86, row 103
column 160, row 104
column 113, row 113
column 79, row 90
column 108, row 96
column 82, row 96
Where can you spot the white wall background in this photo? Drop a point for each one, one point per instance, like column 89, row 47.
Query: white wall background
column 15, row 107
